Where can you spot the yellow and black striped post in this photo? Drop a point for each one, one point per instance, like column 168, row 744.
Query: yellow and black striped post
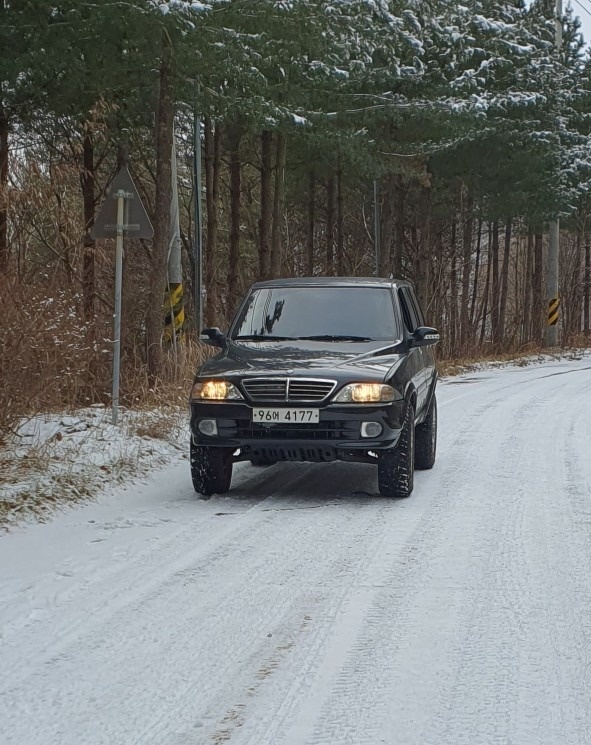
column 174, row 312
column 553, row 310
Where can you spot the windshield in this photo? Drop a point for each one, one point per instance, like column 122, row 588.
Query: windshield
column 314, row 313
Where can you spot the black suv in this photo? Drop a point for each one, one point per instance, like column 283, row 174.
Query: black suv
column 318, row 370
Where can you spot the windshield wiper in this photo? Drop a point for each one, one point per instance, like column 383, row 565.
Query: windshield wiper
column 262, row 337
column 334, row 337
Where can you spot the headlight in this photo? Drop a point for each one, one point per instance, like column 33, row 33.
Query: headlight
column 365, row 393
column 215, row 390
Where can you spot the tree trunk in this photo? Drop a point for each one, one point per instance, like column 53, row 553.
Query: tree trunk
column 278, row 206
column 422, row 264
column 266, row 220
column 3, row 189
column 527, row 288
column 158, row 274
column 311, row 224
column 437, row 309
column 504, row 283
column 213, row 151
column 578, row 286
column 387, row 229
column 466, row 269
column 330, row 225
column 476, row 274
column 453, row 312
column 234, row 139
column 398, row 247
column 538, row 309
column 486, row 287
column 340, row 226
column 494, row 305
column 87, row 183
column 587, row 302
column 517, row 273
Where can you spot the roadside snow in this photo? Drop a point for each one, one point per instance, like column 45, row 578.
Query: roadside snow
column 527, row 360
column 55, row 459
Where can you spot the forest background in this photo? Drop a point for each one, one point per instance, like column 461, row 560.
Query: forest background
column 466, row 121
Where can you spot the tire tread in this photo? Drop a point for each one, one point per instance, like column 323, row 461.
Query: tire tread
column 396, row 467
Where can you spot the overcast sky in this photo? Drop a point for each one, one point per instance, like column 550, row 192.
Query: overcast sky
column 582, row 8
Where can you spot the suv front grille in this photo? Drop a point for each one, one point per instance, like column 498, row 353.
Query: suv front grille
column 310, row 390
column 330, row 430
column 288, row 390
column 265, row 389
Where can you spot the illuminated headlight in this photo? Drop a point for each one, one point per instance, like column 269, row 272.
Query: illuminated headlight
column 365, row 393
column 215, row 390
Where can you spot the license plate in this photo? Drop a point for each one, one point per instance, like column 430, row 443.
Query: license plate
column 286, row 416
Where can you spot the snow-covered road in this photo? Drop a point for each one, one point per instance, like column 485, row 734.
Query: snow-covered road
column 303, row 609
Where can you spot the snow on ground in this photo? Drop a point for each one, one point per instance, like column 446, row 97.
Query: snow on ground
column 56, row 458
column 304, row 609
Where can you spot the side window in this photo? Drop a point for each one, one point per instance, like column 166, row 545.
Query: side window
column 408, row 312
column 417, row 308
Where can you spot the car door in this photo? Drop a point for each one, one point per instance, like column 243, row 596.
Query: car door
column 416, row 364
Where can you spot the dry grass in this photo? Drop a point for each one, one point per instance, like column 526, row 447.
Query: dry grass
column 51, row 362
column 165, row 426
column 44, row 352
column 580, row 341
column 32, row 495
column 63, row 464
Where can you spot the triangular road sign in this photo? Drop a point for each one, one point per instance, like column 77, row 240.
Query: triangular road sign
column 136, row 221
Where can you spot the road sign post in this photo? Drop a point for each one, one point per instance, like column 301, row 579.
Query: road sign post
column 122, row 212
column 121, row 196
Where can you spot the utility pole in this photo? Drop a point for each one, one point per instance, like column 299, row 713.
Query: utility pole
column 174, row 310
column 587, row 300
column 198, row 218
column 552, row 274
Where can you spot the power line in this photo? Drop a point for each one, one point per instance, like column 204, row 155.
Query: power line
column 586, row 3
column 587, row 11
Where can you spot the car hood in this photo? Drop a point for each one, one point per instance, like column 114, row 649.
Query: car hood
column 322, row 359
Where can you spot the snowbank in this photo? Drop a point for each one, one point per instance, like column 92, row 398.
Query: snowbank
column 57, row 458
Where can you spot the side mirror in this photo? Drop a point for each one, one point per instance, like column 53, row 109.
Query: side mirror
column 214, row 337
column 424, row 336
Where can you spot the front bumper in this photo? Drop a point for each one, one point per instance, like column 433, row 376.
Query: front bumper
column 337, row 436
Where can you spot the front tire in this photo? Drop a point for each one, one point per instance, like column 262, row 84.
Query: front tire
column 396, row 467
column 211, row 469
column 426, row 439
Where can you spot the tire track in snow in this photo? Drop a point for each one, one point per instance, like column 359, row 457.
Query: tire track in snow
column 388, row 677
column 359, row 593
column 363, row 708
column 218, row 628
column 309, row 648
column 142, row 572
